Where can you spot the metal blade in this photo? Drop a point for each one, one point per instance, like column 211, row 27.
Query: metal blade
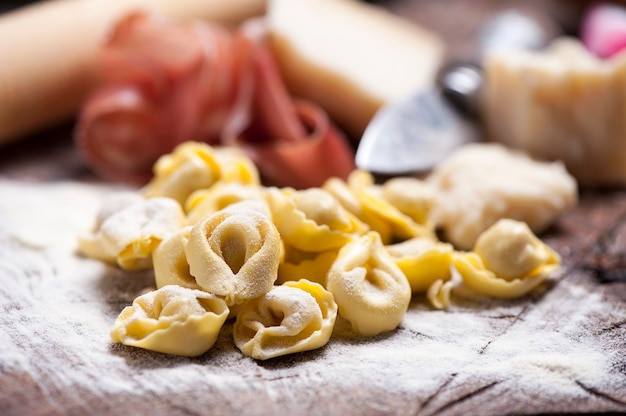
column 413, row 135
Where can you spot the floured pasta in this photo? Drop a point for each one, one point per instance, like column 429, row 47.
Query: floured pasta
column 438, row 294
column 129, row 233
column 193, row 166
column 369, row 288
column 237, row 166
column 381, row 215
column 411, row 196
column 294, row 317
column 189, row 167
column 234, row 253
column 423, row 261
column 222, row 194
column 284, row 262
column 508, row 261
column 170, row 262
column 172, row 320
column 311, row 219
column 313, row 266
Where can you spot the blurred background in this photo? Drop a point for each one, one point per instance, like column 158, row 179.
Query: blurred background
column 7, row 5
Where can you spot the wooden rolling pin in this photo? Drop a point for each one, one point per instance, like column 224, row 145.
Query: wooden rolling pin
column 48, row 52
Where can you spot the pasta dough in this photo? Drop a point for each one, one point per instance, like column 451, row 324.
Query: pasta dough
column 369, row 288
column 482, row 183
column 294, row 317
column 172, row 320
column 234, row 253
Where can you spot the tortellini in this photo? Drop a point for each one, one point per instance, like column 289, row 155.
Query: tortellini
column 189, row 167
column 368, row 203
column 234, row 253
column 172, row 320
column 208, row 201
column 311, row 219
column 170, row 262
column 423, row 261
column 299, row 264
column 285, row 262
column 293, row 317
column 129, row 230
column 438, row 293
column 369, row 288
column 411, row 196
column 508, row 261
column 193, row 166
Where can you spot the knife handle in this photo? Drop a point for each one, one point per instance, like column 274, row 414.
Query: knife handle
column 461, row 82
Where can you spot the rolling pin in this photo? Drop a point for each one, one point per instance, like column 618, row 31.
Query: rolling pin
column 49, row 52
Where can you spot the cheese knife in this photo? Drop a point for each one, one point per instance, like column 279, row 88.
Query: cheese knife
column 412, row 135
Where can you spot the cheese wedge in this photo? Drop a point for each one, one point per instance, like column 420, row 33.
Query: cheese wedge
column 561, row 104
column 350, row 57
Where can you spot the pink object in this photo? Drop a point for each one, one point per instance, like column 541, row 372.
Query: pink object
column 165, row 83
column 603, row 29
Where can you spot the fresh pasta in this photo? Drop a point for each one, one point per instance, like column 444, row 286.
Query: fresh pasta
column 170, row 262
column 311, row 219
column 293, row 317
column 423, row 261
column 284, row 262
column 128, row 231
column 369, row 288
column 508, row 261
column 189, row 167
column 366, row 201
column 234, row 253
column 172, row 320
column 298, row 264
column 438, row 294
column 411, row 197
column 194, row 166
column 222, row 194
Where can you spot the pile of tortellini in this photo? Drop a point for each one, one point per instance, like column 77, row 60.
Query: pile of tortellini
column 283, row 262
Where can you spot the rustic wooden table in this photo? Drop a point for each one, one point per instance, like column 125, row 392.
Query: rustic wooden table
column 560, row 350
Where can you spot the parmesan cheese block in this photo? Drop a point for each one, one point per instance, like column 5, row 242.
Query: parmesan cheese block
column 561, row 104
column 350, row 57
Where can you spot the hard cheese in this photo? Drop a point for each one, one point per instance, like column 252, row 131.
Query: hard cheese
column 351, row 57
column 561, row 104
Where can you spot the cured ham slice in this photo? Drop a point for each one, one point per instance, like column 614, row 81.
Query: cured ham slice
column 293, row 142
column 165, row 83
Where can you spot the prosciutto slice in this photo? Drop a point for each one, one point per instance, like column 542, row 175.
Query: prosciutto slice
column 165, row 83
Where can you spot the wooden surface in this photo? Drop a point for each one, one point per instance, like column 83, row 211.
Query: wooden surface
column 560, row 350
